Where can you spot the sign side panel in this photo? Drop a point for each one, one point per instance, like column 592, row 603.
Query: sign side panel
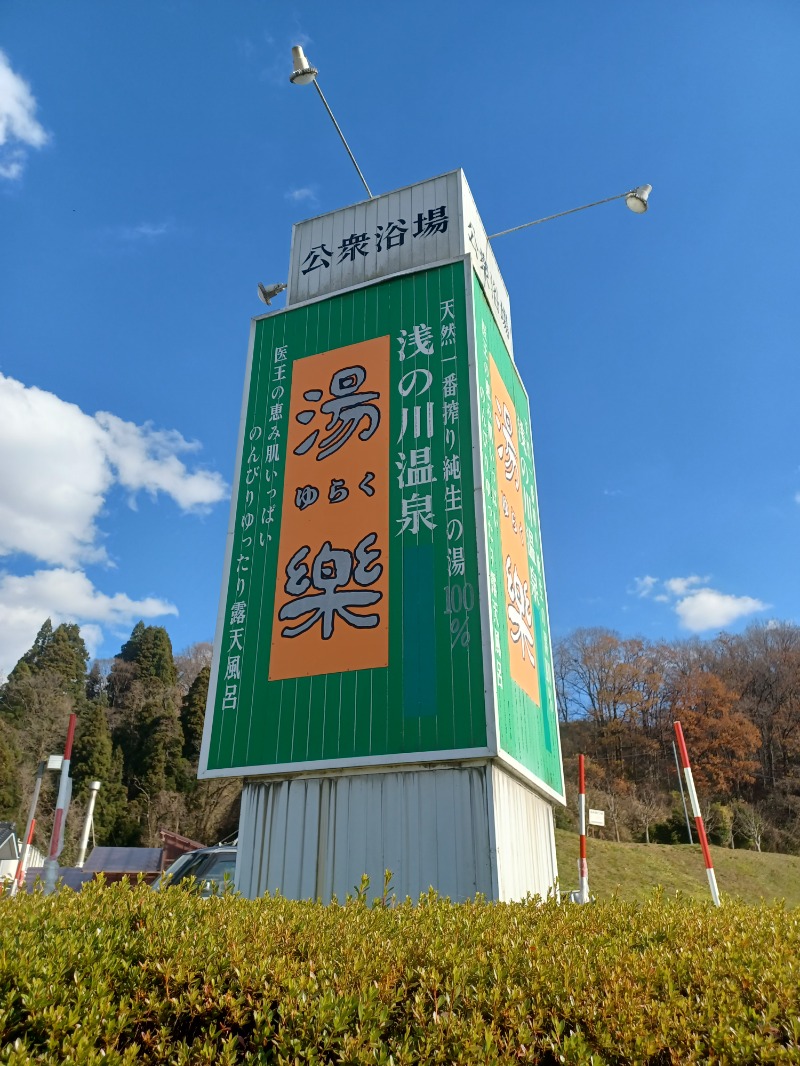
column 520, row 628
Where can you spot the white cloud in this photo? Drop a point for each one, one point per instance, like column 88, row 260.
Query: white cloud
column 53, row 476
column 64, row 596
column 299, row 195
column 697, row 606
column 147, row 458
column 643, row 586
column 709, row 609
column 19, row 128
column 57, row 465
column 145, row 231
column 679, row 586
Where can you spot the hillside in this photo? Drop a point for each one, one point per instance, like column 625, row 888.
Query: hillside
column 632, row 871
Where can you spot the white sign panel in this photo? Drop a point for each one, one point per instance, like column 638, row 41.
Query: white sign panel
column 434, row 221
column 477, row 244
column 597, row 817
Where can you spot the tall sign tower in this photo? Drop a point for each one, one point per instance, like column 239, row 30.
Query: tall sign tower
column 382, row 673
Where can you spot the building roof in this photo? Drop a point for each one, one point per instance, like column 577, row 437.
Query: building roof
column 186, row 843
column 67, row 875
column 8, row 841
column 124, row 860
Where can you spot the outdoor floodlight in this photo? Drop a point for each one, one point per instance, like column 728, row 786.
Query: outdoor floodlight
column 269, row 292
column 637, row 199
column 303, row 72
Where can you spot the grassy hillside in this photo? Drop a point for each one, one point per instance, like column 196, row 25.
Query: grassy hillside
column 633, row 870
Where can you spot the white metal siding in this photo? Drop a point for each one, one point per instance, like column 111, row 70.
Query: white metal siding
column 465, row 235
column 524, row 838
column 331, row 229
column 476, row 244
column 314, row 837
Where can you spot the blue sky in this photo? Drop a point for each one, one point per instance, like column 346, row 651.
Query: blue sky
column 153, row 157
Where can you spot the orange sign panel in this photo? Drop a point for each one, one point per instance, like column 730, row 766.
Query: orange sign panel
column 519, row 613
column 332, row 592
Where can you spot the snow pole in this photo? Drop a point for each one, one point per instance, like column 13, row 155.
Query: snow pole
column 19, row 876
column 698, row 818
column 583, row 869
column 62, row 803
column 22, row 865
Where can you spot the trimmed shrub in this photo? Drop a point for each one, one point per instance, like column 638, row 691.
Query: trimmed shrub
column 121, row 974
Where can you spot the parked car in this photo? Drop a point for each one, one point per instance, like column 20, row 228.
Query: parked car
column 208, row 867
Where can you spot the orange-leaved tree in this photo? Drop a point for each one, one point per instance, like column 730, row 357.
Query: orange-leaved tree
column 722, row 742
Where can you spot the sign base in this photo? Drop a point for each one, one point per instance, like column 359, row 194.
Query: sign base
column 461, row 830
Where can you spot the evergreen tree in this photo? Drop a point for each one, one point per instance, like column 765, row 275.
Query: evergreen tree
column 59, row 654
column 155, row 656
column 95, row 682
column 154, row 761
column 10, row 791
column 93, row 751
column 129, row 653
column 142, row 688
column 126, row 829
column 193, row 711
column 46, row 684
column 30, row 661
column 66, row 656
column 94, row 758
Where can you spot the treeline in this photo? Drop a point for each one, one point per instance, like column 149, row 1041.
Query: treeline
column 140, row 720
column 139, row 726
column 738, row 700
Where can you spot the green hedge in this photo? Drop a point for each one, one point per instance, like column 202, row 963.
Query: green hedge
column 122, row 974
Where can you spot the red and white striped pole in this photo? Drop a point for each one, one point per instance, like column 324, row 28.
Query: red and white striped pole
column 64, row 790
column 698, row 818
column 583, row 869
column 19, row 877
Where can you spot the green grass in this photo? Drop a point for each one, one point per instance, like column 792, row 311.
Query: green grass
column 632, row 871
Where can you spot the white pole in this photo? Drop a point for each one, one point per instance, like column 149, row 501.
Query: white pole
column 62, row 805
column 94, row 788
column 698, row 817
column 583, row 868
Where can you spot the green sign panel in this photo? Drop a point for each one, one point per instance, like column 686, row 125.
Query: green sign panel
column 384, row 598
column 350, row 630
column 520, row 633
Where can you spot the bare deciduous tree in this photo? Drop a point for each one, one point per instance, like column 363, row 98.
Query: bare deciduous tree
column 752, row 823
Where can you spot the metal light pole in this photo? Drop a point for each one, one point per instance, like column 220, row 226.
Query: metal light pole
column 62, row 805
column 683, row 795
column 636, row 200
column 304, row 73
column 52, row 763
column 29, row 828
